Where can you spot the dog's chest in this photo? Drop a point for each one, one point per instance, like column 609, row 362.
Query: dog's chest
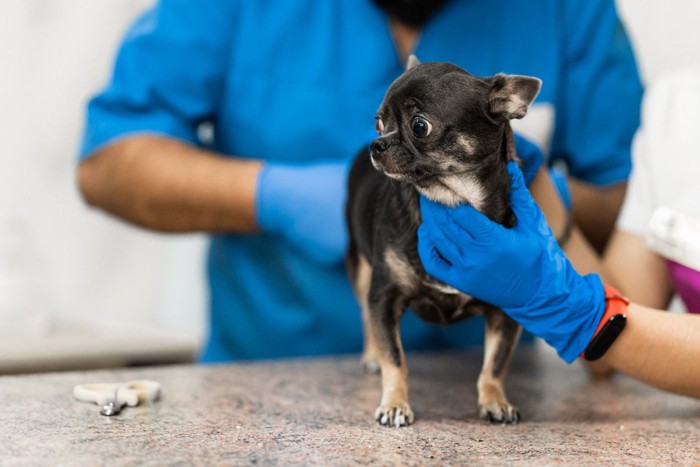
column 431, row 300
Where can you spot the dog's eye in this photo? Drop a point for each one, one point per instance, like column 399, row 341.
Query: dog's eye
column 421, row 127
column 379, row 125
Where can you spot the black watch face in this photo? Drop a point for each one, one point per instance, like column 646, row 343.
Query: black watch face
column 605, row 338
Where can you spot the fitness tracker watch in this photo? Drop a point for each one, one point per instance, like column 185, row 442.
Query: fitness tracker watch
column 611, row 324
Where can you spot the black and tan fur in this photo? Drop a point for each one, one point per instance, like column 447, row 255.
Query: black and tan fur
column 461, row 160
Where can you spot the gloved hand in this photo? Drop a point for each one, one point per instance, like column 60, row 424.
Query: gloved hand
column 305, row 204
column 521, row 270
column 530, row 154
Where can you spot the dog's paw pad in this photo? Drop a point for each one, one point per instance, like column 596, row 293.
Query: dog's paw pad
column 499, row 413
column 394, row 416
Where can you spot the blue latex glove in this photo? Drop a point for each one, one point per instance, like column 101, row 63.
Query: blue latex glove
column 531, row 156
column 305, row 204
column 521, row 270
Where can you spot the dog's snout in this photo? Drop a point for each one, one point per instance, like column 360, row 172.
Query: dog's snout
column 379, row 145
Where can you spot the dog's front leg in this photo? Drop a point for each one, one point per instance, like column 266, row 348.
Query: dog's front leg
column 384, row 313
column 502, row 334
column 361, row 278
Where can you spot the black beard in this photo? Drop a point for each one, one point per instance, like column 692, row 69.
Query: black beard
column 413, row 13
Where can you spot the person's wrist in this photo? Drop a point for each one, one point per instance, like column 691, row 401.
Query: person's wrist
column 611, row 324
column 566, row 315
column 272, row 201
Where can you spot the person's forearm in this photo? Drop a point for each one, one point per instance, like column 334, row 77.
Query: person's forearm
column 641, row 274
column 581, row 254
column 544, row 192
column 659, row 348
column 596, row 209
column 171, row 186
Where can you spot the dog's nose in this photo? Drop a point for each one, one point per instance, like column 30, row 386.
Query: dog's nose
column 379, row 145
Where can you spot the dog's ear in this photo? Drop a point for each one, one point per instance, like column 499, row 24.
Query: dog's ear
column 512, row 94
column 411, row 62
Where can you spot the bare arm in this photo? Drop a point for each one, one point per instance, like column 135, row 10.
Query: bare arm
column 596, row 209
column 171, row 186
column 640, row 274
column 659, row 348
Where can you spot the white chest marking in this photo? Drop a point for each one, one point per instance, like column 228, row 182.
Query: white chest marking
column 456, row 189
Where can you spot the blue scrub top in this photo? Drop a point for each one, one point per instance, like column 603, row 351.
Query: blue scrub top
column 301, row 80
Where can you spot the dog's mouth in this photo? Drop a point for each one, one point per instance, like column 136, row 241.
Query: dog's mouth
column 411, row 175
column 386, row 171
column 399, row 175
column 449, row 188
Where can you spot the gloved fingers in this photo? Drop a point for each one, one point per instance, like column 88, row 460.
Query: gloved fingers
column 433, row 214
column 460, row 223
column 429, row 253
column 524, row 206
column 530, row 155
column 441, row 258
column 517, row 180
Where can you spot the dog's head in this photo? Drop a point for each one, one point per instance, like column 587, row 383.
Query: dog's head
column 439, row 125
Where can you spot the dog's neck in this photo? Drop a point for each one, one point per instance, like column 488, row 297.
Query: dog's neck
column 458, row 188
column 485, row 187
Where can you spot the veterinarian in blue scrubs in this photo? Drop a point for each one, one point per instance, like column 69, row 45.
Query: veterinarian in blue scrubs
column 240, row 117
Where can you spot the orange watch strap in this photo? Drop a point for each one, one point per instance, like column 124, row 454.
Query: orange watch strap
column 616, row 304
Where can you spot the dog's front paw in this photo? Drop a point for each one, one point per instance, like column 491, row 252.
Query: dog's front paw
column 394, row 416
column 499, row 412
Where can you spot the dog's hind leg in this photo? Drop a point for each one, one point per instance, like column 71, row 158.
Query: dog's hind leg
column 382, row 326
column 502, row 334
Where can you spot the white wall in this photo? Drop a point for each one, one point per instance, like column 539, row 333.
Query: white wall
column 60, row 260
column 665, row 33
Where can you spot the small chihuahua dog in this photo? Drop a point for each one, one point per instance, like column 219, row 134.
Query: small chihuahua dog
column 446, row 134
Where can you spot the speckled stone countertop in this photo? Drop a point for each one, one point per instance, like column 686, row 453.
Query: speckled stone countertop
column 319, row 412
